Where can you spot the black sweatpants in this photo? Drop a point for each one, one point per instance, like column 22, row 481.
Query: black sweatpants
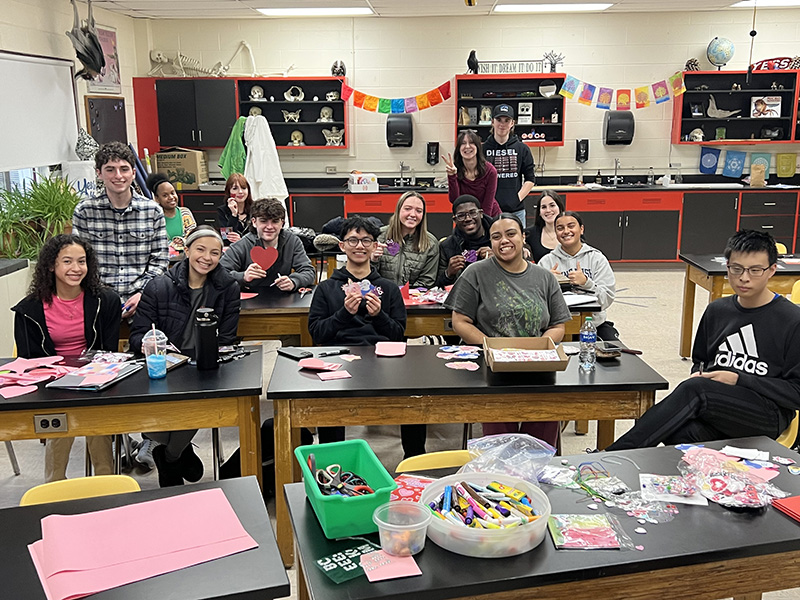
column 702, row 410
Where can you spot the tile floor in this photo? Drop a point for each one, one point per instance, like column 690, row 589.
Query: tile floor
column 646, row 312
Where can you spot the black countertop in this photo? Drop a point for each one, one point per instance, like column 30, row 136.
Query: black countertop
column 12, row 265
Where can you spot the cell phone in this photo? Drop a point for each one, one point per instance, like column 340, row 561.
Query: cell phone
column 295, row 353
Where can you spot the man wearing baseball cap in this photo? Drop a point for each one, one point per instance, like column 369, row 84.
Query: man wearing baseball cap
column 513, row 161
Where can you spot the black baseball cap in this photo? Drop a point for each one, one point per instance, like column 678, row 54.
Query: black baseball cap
column 503, row 110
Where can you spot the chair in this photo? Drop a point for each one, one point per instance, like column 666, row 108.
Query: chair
column 80, row 487
column 789, row 436
column 434, row 460
column 780, row 247
column 795, row 297
column 12, row 456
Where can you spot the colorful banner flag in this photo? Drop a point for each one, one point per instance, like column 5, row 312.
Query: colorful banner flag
column 569, row 87
column 384, row 105
column 623, row 99
column 786, row 164
column 444, row 90
column 604, row 97
column 434, row 97
column 587, row 94
column 660, row 91
column 358, row 98
column 347, row 91
column 642, row 95
column 709, row 159
column 422, row 102
column 676, row 84
column 398, row 105
column 370, row 103
column 411, row 105
column 734, row 163
column 761, row 158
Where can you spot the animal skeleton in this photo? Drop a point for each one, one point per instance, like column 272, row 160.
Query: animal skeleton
column 291, row 117
column 87, row 46
column 718, row 113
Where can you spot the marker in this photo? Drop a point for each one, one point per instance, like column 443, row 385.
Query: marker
column 276, row 280
column 447, row 499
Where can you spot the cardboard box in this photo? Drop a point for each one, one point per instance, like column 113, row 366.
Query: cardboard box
column 185, row 168
column 524, row 343
column 362, row 182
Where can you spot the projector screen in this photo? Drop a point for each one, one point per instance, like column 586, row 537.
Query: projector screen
column 40, row 123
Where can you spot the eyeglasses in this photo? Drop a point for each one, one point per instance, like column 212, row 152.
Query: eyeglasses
column 353, row 242
column 752, row 271
column 463, row 216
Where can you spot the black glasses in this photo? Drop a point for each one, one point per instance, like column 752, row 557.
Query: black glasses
column 353, row 242
column 463, row 216
column 738, row 270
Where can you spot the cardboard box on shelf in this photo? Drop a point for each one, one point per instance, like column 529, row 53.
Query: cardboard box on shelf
column 186, row 169
column 490, row 345
column 362, row 182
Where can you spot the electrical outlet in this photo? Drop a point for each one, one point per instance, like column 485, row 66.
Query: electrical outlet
column 330, row 170
column 48, row 423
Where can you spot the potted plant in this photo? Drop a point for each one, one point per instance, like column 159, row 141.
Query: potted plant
column 32, row 215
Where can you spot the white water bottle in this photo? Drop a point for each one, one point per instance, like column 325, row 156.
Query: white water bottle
column 588, row 354
column 651, row 176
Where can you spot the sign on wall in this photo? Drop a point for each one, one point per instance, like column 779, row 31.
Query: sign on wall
column 511, row 67
column 109, row 80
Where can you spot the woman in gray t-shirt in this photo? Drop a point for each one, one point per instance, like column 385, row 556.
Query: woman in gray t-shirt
column 506, row 296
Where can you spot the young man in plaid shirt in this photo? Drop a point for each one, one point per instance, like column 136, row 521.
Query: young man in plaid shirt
column 127, row 231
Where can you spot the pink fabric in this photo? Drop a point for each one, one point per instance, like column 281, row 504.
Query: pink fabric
column 483, row 188
column 64, row 320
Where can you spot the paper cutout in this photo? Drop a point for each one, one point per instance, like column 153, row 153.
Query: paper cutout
column 411, row 105
column 390, row 348
column 709, row 159
column 384, row 105
column 444, row 90
column 380, row 566
column 347, row 91
column 247, row 295
column 462, row 365
column 569, row 87
column 12, row 391
column 642, row 95
column 329, row 375
column 370, row 103
column 587, row 94
column 761, row 158
column 660, row 92
column 20, row 365
column 623, row 99
column 677, row 84
column 786, row 164
column 604, row 97
column 398, row 105
column 264, row 257
column 317, row 364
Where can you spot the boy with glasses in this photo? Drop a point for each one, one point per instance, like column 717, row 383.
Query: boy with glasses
column 468, row 243
column 746, row 361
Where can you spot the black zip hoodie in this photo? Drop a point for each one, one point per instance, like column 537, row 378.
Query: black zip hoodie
column 514, row 163
column 330, row 323
column 101, row 319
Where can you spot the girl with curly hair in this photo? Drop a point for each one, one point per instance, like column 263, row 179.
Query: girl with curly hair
column 67, row 312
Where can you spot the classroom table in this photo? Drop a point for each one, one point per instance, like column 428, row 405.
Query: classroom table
column 704, row 553
column 709, row 271
column 187, row 398
column 256, row 573
column 418, row 388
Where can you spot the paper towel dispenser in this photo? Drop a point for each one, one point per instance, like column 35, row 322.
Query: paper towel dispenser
column 618, row 127
column 399, row 130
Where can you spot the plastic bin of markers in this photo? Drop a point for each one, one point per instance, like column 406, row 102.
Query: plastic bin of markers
column 342, row 516
column 488, row 543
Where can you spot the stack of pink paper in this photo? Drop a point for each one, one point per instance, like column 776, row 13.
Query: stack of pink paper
column 84, row 554
column 21, row 375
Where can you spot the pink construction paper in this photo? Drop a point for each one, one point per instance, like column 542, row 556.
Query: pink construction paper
column 20, row 365
column 317, row 364
column 81, row 554
column 12, row 391
column 328, row 375
column 248, row 295
column 380, row 566
column 97, row 379
column 390, row 348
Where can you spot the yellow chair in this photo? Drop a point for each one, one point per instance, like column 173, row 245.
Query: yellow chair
column 434, row 460
column 795, row 297
column 80, row 487
column 788, row 437
column 781, row 248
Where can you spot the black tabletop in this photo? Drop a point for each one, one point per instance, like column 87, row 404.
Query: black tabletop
column 696, row 535
column 714, row 264
column 272, row 300
column 256, row 573
column 236, row 378
column 421, row 372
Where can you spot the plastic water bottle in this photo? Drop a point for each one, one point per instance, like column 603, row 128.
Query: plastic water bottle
column 651, row 176
column 588, row 354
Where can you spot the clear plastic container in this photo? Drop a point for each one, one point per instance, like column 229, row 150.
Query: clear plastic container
column 402, row 527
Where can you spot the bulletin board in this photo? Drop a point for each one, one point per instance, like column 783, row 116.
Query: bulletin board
column 105, row 119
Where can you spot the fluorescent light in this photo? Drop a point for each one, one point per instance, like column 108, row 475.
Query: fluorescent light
column 766, row 4
column 531, row 8
column 317, row 12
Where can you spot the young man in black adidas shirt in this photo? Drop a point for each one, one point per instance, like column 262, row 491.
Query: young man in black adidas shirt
column 746, row 361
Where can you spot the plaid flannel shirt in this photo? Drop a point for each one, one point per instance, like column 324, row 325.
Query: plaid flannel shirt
column 131, row 245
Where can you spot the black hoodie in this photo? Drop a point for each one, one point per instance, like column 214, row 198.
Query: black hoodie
column 456, row 243
column 514, row 163
column 330, row 323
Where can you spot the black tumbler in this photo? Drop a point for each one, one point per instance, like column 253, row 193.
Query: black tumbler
column 206, row 333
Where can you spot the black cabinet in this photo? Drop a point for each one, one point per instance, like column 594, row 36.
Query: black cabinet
column 196, row 113
column 633, row 234
column 314, row 210
column 709, row 219
column 772, row 212
column 603, row 230
column 203, row 206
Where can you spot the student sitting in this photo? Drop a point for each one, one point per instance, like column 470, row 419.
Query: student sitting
column 292, row 270
column 339, row 315
column 179, row 220
column 234, row 215
column 169, row 303
column 542, row 236
column 745, row 361
column 471, row 233
column 67, row 312
column 586, row 267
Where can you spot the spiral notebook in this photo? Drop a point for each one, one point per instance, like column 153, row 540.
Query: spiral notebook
column 96, row 376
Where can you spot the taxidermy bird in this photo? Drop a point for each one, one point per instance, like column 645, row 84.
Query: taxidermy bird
column 472, row 63
column 87, row 46
column 718, row 113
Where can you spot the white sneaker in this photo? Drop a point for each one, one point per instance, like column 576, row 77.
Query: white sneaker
column 144, row 455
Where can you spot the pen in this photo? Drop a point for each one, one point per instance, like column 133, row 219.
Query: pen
column 276, row 280
column 334, row 352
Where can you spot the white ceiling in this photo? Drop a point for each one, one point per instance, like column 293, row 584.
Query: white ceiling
column 238, row 9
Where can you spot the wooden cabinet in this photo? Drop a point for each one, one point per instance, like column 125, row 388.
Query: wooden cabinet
column 195, row 113
column 473, row 92
column 277, row 97
column 314, row 210
column 758, row 121
column 772, row 213
column 709, row 219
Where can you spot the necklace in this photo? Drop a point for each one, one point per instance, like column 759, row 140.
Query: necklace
column 550, row 236
column 68, row 306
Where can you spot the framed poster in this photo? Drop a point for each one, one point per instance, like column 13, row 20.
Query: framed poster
column 109, row 80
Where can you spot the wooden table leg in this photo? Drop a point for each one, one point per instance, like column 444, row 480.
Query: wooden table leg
column 283, row 475
column 717, row 285
column 581, row 427
column 687, row 315
column 748, row 597
column 250, row 437
column 605, row 433
column 305, row 335
column 302, row 586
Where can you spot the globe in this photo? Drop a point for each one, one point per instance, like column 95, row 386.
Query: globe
column 720, row 51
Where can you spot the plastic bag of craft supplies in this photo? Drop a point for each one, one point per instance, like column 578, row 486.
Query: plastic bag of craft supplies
column 516, row 454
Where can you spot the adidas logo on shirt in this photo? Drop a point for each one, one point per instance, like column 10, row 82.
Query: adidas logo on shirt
column 739, row 351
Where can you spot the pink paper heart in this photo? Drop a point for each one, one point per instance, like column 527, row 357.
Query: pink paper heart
column 12, row 391
column 264, row 257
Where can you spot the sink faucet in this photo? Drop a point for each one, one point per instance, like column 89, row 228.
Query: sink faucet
column 616, row 179
column 403, row 169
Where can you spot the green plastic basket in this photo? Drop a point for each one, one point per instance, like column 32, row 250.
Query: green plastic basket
column 342, row 516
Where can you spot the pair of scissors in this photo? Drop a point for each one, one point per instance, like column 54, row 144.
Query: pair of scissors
column 304, row 291
column 333, row 481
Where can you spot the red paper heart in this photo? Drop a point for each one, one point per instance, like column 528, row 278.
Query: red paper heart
column 264, row 257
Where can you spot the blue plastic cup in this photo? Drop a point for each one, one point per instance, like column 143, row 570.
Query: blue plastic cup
column 157, row 366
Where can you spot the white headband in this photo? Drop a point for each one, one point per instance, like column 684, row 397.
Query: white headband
column 198, row 233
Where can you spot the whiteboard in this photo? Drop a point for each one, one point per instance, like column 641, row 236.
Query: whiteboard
column 38, row 111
